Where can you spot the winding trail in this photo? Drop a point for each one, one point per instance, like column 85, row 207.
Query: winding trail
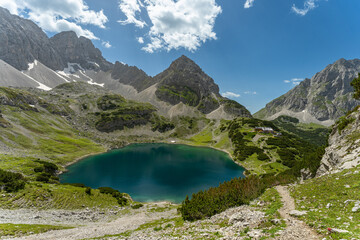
column 295, row 228
column 122, row 224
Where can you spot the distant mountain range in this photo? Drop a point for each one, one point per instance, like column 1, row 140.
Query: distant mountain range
column 322, row 99
column 30, row 59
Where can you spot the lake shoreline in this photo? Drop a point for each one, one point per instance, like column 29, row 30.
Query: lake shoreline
column 208, row 154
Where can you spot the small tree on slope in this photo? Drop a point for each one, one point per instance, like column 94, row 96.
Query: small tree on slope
column 355, row 83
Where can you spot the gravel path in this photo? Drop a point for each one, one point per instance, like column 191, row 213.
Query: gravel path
column 295, row 229
column 121, row 224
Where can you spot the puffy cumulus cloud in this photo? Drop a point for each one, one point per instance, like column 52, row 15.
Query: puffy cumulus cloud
column 230, row 95
column 106, row 44
column 308, row 5
column 173, row 24
column 295, row 81
column 59, row 15
column 249, row 3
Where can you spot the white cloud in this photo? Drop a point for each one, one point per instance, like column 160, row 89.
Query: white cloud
column 295, row 81
column 106, row 44
column 249, row 3
column 59, row 15
column 250, row 92
column 140, row 40
column 10, row 5
column 308, row 5
column 130, row 8
column 173, row 24
column 230, row 95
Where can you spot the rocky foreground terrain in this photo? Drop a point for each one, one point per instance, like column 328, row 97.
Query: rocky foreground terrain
column 270, row 216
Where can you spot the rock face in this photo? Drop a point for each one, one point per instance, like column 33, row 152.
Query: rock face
column 22, row 42
column 131, row 75
column 343, row 151
column 24, row 46
column 322, row 99
column 74, row 49
column 184, row 81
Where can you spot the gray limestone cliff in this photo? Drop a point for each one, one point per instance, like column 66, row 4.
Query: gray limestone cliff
column 322, row 99
column 343, row 151
column 22, row 42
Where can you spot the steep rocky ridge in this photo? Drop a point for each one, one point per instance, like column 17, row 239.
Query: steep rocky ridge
column 184, row 81
column 322, row 99
column 343, row 151
column 182, row 89
column 22, row 42
column 74, row 49
column 131, row 75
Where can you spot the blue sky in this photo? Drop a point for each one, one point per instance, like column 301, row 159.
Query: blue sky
column 256, row 49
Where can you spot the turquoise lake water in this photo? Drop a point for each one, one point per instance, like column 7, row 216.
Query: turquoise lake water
column 155, row 172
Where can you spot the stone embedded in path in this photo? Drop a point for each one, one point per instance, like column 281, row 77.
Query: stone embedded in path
column 297, row 213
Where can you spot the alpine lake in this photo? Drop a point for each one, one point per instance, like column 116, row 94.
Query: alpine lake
column 152, row 172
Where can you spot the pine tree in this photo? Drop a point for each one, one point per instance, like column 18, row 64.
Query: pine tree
column 355, row 83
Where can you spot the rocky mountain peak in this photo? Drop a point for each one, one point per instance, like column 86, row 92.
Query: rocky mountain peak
column 184, row 63
column 74, row 49
column 322, row 99
column 22, row 42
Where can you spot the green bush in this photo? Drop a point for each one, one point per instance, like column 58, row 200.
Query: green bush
column 88, row 190
column 355, row 83
column 38, row 169
column 229, row 194
column 48, row 167
column 343, row 122
column 137, row 206
column 11, row 182
column 43, row 177
column 115, row 193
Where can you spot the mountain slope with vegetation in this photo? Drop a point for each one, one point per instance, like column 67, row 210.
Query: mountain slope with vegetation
column 322, row 99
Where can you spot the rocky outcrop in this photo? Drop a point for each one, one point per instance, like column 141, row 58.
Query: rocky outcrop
column 80, row 50
column 343, row 151
column 184, row 81
column 22, row 42
column 131, row 75
column 322, row 99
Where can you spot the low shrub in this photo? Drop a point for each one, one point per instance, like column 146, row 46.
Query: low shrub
column 122, row 201
column 11, row 182
column 88, row 190
column 137, row 206
column 343, row 122
column 229, row 194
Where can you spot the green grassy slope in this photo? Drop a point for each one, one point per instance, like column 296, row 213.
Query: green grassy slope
column 329, row 201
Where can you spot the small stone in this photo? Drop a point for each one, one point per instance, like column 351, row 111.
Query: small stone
column 336, row 230
column 297, row 213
